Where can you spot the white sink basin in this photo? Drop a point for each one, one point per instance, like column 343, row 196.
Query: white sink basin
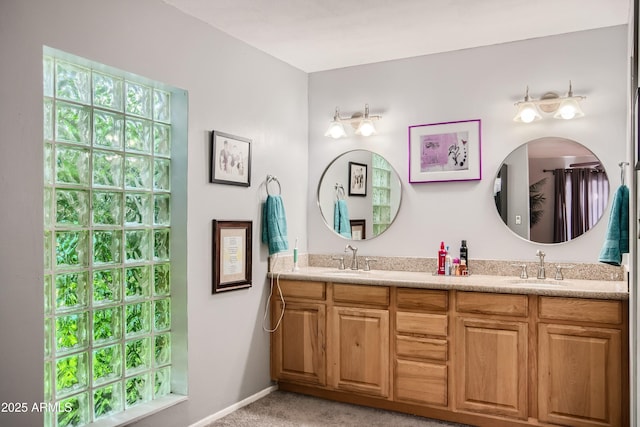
column 345, row 273
column 539, row 283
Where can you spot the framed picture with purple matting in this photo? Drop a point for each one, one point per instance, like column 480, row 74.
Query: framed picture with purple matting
column 448, row 151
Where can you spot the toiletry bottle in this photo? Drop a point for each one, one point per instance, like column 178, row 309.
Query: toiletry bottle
column 464, row 270
column 447, row 263
column 442, row 253
column 295, row 257
column 464, row 253
column 455, row 269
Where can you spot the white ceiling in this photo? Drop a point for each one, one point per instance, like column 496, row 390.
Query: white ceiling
column 316, row 35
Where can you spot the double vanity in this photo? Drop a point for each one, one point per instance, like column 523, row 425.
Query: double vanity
column 511, row 344
column 484, row 350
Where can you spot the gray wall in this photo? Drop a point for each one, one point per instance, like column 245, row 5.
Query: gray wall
column 232, row 88
column 481, row 83
column 239, row 90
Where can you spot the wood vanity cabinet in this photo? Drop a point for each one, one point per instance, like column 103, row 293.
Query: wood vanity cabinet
column 359, row 342
column 298, row 346
column 484, row 359
column 581, row 375
column 341, row 341
column 492, row 353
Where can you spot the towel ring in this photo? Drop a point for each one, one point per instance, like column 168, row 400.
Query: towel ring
column 339, row 191
column 271, row 178
column 622, row 170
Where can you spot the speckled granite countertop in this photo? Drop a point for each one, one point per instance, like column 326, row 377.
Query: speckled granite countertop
column 578, row 288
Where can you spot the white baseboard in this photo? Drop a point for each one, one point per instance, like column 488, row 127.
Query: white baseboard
column 226, row 411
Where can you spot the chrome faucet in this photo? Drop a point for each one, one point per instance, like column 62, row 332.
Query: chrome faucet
column 354, row 260
column 541, row 273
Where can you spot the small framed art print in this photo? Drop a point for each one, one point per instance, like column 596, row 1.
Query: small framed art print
column 230, row 159
column 357, row 179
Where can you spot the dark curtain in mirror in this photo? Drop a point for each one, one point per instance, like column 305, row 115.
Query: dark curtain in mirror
column 581, row 195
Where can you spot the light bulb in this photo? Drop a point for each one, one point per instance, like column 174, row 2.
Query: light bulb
column 336, row 130
column 528, row 115
column 527, row 111
column 366, row 128
column 567, row 112
column 569, row 109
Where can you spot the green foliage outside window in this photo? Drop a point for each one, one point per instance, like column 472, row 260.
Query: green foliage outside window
column 135, row 390
column 102, row 399
column 71, row 416
column 107, row 299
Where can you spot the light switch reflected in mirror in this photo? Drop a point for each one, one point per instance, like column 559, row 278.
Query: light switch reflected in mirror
column 359, row 195
column 551, row 190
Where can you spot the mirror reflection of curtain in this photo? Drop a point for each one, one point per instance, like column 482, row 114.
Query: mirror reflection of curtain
column 581, row 195
column 560, row 222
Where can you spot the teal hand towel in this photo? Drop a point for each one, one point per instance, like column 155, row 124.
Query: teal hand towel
column 274, row 225
column 617, row 239
column 341, row 223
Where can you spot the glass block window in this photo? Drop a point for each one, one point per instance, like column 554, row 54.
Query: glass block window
column 381, row 194
column 107, row 222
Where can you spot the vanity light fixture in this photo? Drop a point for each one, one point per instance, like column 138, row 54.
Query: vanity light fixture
column 361, row 122
column 567, row 107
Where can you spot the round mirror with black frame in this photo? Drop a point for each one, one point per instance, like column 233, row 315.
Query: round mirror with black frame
column 359, row 195
column 551, row 190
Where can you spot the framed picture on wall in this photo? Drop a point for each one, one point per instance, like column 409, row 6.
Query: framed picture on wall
column 232, row 255
column 445, row 152
column 358, row 229
column 357, row 179
column 230, row 159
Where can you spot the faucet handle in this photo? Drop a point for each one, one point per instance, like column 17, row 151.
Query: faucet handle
column 523, row 271
column 367, row 260
column 341, row 259
column 559, row 268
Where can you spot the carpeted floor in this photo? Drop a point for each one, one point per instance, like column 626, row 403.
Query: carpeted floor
column 284, row 409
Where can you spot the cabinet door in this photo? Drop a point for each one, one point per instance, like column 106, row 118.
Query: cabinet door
column 298, row 346
column 491, row 367
column 360, row 342
column 579, row 375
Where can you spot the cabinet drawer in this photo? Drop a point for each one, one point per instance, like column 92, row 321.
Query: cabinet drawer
column 490, row 303
column 421, row 323
column 376, row 295
column 420, row 382
column 302, row 289
column 581, row 310
column 421, row 348
column 424, row 300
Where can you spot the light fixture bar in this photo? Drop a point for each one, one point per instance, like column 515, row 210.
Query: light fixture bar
column 357, row 120
column 362, row 122
column 551, row 101
column 562, row 107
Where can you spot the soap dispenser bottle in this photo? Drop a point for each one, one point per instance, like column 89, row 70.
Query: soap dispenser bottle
column 447, row 263
column 442, row 254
